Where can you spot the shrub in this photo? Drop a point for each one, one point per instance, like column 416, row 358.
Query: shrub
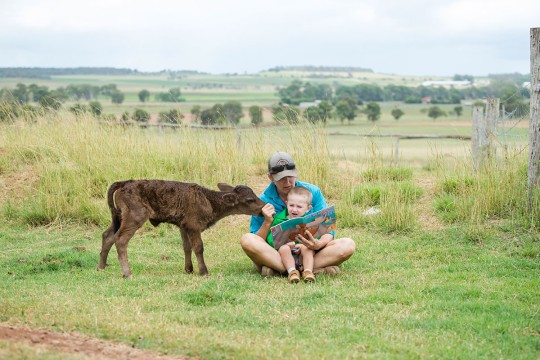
column 141, row 115
column 173, row 116
column 95, row 108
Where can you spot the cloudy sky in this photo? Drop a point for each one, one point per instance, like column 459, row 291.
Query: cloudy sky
column 405, row 37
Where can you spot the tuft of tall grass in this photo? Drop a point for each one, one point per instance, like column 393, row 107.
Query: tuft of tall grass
column 309, row 144
column 395, row 200
column 397, row 209
column 389, row 173
column 74, row 159
column 495, row 191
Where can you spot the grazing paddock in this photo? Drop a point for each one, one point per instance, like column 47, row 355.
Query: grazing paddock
column 447, row 269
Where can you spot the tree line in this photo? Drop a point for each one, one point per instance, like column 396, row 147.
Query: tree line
column 41, row 94
column 299, row 100
column 45, row 73
column 298, row 92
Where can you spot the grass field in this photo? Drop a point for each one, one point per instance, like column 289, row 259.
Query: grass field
column 448, row 270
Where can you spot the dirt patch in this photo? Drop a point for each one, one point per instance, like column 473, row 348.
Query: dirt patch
column 81, row 345
column 427, row 218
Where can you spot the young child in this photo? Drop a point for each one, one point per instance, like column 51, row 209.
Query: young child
column 298, row 204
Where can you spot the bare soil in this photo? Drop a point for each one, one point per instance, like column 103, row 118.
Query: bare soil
column 77, row 344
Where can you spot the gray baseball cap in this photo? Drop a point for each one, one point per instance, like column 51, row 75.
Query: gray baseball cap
column 281, row 164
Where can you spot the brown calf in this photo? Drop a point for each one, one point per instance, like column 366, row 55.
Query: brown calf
column 191, row 207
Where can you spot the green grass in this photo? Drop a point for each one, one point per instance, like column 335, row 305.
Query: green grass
column 421, row 295
column 465, row 288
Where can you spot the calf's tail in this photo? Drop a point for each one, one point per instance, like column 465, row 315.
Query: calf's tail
column 110, row 200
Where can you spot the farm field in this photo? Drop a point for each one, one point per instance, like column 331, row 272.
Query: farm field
column 448, row 269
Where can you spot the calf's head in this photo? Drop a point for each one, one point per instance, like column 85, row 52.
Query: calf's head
column 242, row 199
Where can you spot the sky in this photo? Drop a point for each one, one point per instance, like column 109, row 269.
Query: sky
column 404, row 37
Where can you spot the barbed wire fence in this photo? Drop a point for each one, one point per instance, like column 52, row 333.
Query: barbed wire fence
column 513, row 122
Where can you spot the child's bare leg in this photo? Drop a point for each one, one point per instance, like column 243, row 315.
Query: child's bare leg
column 307, row 257
column 286, row 257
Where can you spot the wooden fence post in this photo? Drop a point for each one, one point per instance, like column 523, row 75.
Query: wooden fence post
column 484, row 132
column 533, row 180
column 492, row 118
column 477, row 119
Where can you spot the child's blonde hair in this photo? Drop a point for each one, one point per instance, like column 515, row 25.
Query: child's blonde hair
column 302, row 191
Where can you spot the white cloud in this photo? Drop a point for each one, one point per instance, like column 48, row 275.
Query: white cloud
column 238, row 35
column 488, row 16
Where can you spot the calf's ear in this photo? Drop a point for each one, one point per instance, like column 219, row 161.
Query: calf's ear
column 225, row 187
column 230, row 199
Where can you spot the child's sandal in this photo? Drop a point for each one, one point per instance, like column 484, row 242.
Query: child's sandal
column 294, row 277
column 308, row 276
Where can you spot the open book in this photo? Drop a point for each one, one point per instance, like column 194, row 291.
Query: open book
column 317, row 223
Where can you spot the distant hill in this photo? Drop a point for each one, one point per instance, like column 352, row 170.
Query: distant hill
column 320, row 68
column 45, row 73
column 38, row 72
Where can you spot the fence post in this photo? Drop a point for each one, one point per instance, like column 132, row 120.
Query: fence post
column 484, row 132
column 396, row 151
column 477, row 119
column 533, row 175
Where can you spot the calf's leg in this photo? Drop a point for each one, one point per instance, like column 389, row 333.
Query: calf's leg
column 198, row 248
column 106, row 244
column 133, row 220
column 186, row 243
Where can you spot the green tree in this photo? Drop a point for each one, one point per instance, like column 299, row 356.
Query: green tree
column 173, row 116
column 141, row 115
column 173, row 95
column 434, row 112
column 413, row 99
column 256, row 115
column 21, row 93
column 479, row 103
column 373, row 111
column 117, row 97
column 79, row 109
column 96, row 108
column 232, row 110
column 285, row 113
column 298, row 92
column 108, row 89
column 325, row 110
column 312, row 114
column 458, row 110
column 38, row 92
column 195, row 113
column 50, row 102
column 319, row 113
column 144, row 95
column 210, row 116
column 346, row 109
column 125, row 116
column 397, row 113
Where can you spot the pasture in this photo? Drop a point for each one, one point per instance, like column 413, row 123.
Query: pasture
column 448, row 269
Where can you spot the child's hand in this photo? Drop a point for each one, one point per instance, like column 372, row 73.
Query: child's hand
column 291, row 244
column 268, row 212
column 310, row 242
